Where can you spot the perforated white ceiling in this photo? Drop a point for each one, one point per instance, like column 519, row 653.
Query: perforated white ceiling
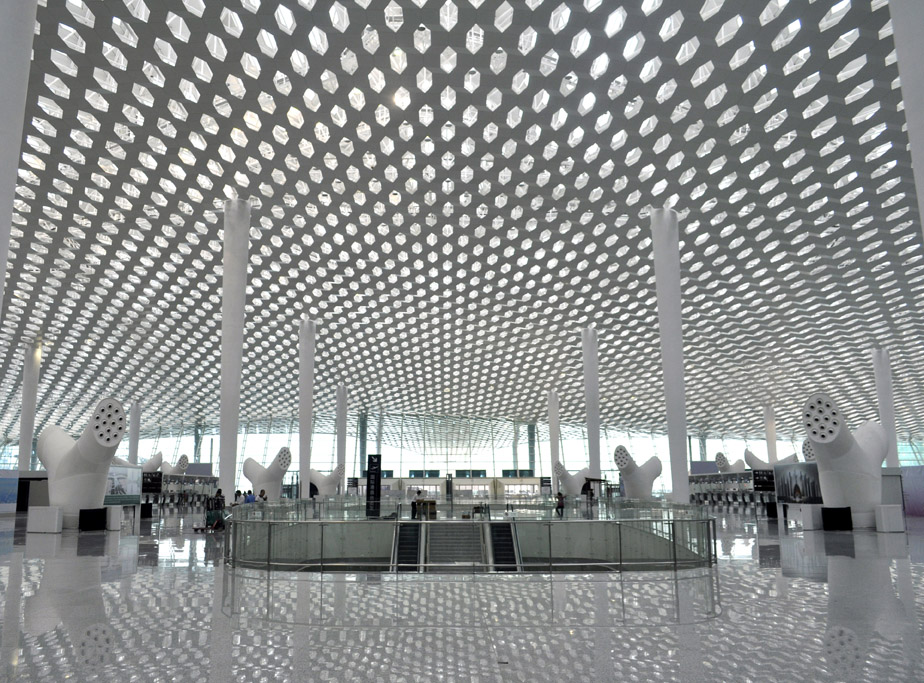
column 453, row 189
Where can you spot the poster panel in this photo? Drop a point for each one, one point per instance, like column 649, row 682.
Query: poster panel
column 797, row 483
column 123, row 486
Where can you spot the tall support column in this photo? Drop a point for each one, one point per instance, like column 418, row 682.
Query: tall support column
column 770, row 429
column 592, row 398
column 363, row 435
column 307, row 332
column 554, row 436
column 531, row 446
column 665, row 236
column 378, row 431
column 341, row 428
column 233, row 287
column 516, row 446
column 198, row 431
column 134, row 432
column 31, row 361
column 882, row 368
column 16, row 31
column 907, row 19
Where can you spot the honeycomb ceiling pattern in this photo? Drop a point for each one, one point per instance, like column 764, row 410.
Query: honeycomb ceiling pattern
column 453, row 189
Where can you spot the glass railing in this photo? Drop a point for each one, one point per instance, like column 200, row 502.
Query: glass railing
column 265, row 537
column 511, row 508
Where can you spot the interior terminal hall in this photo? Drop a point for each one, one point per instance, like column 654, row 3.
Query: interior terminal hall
column 393, row 341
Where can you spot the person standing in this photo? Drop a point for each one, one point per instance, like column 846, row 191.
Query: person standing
column 560, row 506
column 415, row 504
column 262, row 497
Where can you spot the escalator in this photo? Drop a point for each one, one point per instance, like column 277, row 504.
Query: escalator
column 504, row 547
column 407, row 555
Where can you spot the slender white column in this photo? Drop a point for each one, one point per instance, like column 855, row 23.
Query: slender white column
column 307, row 332
column 378, row 432
column 883, row 371
column 592, row 398
column 554, row 436
column 16, row 30
column 665, row 239
column 341, row 427
column 233, row 285
column 134, row 432
column 770, row 428
column 907, row 19
column 516, row 443
column 31, row 360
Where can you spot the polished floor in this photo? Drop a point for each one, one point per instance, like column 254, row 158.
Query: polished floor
column 159, row 605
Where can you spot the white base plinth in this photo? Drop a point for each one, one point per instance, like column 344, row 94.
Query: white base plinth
column 45, row 520
column 890, row 518
column 811, row 517
column 113, row 517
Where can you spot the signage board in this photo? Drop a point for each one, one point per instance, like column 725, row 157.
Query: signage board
column 373, row 485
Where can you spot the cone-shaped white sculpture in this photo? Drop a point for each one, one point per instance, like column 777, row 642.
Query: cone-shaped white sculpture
column 179, row 468
column 270, row 478
column 756, row 463
column 571, row 483
column 637, row 480
column 808, row 453
column 78, row 470
column 154, row 463
column 327, row 483
column 849, row 465
column 726, row 467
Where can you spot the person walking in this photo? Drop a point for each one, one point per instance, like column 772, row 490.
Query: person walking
column 560, row 506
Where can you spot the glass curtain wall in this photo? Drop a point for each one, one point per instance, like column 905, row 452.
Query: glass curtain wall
column 432, row 447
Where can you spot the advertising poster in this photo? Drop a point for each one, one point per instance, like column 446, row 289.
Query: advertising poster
column 9, row 488
column 124, row 486
column 797, row 483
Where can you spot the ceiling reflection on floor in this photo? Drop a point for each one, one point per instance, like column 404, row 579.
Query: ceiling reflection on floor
column 160, row 605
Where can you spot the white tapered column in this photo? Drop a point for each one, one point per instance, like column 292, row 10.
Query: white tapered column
column 665, row 238
column 554, row 436
column 17, row 27
column 592, row 398
column 882, row 368
column 770, row 429
column 233, row 286
column 341, row 427
column 134, row 432
column 307, row 332
column 378, row 432
column 31, row 361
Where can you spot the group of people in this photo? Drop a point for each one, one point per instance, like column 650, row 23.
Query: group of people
column 240, row 497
